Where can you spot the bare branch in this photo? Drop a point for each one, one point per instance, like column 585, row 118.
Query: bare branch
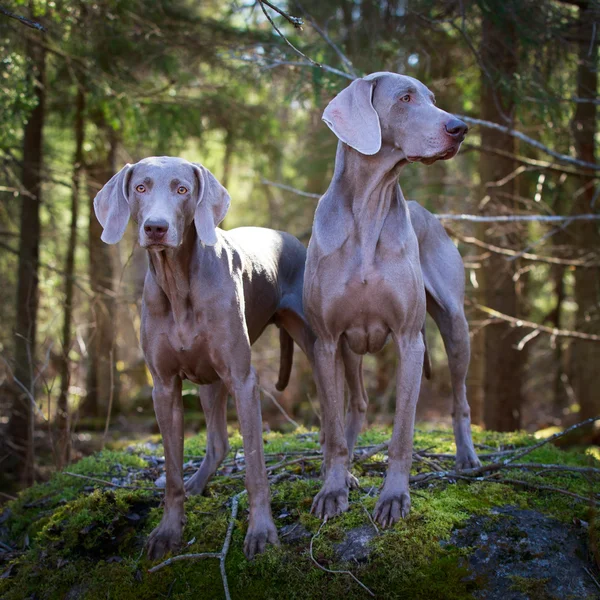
column 539, row 164
column 108, row 483
column 345, row 60
column 222, row 556
column 552, row 438
column 312, row 539
column 295, row 21
column 281, row 409
column 466, row 217
column 262, row 6
column 24, row 20
column 531, row 142
column 289, row 188
column 516, row 218
column 553, row 331
column 526, row 255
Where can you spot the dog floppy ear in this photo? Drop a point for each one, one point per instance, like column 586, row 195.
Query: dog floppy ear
column 111, row 206
column 351, row 116
column 212, row 205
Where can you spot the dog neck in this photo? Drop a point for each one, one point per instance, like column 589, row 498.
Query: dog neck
column 170, row 269
column 368, row 186
column 367, row 183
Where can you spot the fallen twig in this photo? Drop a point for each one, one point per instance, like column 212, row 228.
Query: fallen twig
column 312, row 539
column 375, row 450
column 179, row 557
column 535, row 486
column 109, row 483
column 560, row 434
column 222, row 556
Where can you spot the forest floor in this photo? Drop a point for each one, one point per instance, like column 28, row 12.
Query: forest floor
column 524, row 526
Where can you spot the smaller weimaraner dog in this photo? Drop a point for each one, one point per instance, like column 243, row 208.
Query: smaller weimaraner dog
column 208, row 295
column 364, row 281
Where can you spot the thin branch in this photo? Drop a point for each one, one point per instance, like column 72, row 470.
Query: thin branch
column 222, row 556
column 108, row 483
column 295, row 21
column 526, row 255
column 531, row 142
column 289, row 188
column 543, row 488
column 262, row 6
column 345, row 60
column 553, row 331
column 538, row 164
column 24, row 20
column 465, row 217
column 312, row 539
column 227, row 543
column 552, row 438
column 544, row 467
column 281, row 409
column 179, row 557
column 515, row 218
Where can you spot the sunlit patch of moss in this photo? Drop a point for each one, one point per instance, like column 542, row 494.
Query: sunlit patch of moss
column 88, row 544
column 30, row 512
column 593, row 451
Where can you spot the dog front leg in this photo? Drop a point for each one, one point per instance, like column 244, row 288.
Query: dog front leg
column 332, row 499
column 168, row 407
column 261, row 528
column 394, row 500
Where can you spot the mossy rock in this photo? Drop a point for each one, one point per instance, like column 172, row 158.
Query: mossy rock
column 74, row 537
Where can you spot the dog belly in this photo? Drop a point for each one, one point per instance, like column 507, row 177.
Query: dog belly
column 199, row 375
column 368, row 339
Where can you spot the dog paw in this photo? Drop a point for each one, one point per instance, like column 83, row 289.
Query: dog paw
column 467, row 460
column 257, row 538
column 195, row 486
column 330, row 502
column 165, row 538
column 391, row 507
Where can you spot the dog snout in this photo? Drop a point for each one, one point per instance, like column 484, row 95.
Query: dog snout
column 456, row 128
column 156, row 229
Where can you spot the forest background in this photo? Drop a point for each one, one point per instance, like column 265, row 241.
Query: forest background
column 240, row 86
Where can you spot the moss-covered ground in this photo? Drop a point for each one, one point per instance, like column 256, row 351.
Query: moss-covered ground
column 77, row 538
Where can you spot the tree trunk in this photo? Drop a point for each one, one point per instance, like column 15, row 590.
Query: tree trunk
column 503, row 363
column 102, row 388
column 62, row 414
column 586, row 355
column 22, row 418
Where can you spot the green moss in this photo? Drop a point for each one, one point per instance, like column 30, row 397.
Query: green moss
column 534, row 589
column 35, row 505
column 92, row 543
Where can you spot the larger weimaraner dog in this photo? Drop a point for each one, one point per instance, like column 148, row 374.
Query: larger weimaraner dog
column 208, row 296
column 363, row 279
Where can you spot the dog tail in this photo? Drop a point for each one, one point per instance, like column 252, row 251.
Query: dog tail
column 287, row 358
column 426, row 359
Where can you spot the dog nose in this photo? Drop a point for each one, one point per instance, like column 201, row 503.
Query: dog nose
column 156, row 228
column 456, row 128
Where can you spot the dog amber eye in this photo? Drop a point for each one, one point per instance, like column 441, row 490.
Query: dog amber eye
column 140, row 188
column 405, row 98
column 182, row 190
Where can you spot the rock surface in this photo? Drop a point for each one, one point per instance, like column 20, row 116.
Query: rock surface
column 522, row 554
